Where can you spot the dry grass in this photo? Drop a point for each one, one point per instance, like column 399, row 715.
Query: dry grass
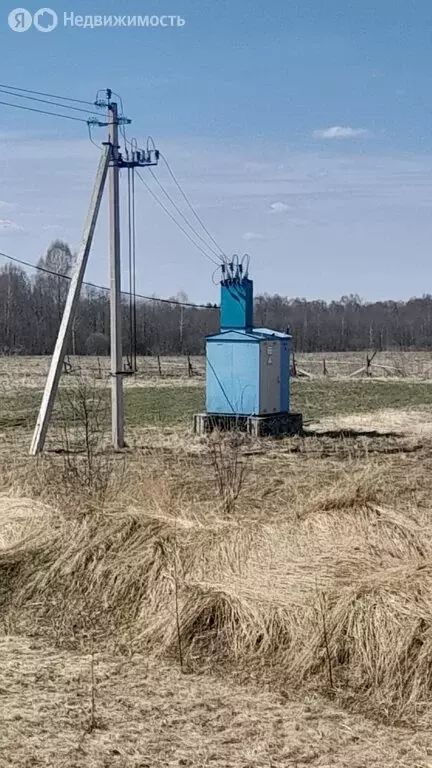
column 416, row 422
column 300, row 568
column 20, row 373
column 317, row 577
column 152, row 716
column 394, row 363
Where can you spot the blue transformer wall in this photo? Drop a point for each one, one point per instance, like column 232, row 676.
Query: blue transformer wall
column 232, row 377
column 237, row 304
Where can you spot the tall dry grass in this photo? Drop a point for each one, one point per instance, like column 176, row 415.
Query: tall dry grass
column 298, row 582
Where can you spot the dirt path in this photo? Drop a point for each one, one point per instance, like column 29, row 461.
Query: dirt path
column 156, row 717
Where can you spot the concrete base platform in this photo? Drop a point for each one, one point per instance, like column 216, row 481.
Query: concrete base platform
column 274, row 425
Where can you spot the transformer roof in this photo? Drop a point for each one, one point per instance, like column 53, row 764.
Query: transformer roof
column 252, row 335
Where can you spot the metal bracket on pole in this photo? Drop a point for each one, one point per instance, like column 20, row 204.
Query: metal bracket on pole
column 53, row 379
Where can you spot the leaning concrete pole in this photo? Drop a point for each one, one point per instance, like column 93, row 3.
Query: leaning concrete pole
column 56, row 366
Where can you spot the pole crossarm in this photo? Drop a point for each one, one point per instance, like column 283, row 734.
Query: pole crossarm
column 140, row 159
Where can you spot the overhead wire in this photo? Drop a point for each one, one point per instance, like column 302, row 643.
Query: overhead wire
column 98, row 287
column 180, row 212
column 91, row 136
column 245, row 260
column 189, row 204
column 173, row 218
column 43, row 112
column 214, row 281
column 132, row 270
column 133, row 144
column 20, row 92
column 132, row 234
column 43, row 93
column 120, row 100
column 47, row 101
column 133, row 339
column 134, row 308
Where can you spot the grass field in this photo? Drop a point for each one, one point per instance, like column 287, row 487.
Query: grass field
column 222, row 602
column 160, row 405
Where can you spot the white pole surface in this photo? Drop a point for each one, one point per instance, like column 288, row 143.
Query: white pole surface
column 117, row 404
column 57, row 360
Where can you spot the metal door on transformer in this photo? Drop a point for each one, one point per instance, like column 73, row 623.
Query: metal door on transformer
column 270, row 378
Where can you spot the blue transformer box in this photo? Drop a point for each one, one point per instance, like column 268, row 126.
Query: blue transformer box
column 247, row 369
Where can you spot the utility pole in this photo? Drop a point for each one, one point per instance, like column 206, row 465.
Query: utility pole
column 110, row 163
column 117, row 399
column 57, row 360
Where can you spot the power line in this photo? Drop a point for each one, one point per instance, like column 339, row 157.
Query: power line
column 219, row 253
column 43, row 112
column 21, row 94
column 173, row 218
column 47, row 271
column 183, row 193
column 47, row 101
column 180, row 212
column 50, row 95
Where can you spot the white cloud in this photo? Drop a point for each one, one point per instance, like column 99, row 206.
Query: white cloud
column 341, row 132
column 9, row 226
column 253, row 236
column 279, row 207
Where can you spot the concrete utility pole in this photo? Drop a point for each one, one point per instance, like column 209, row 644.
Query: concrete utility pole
column 117, row 401
column 53, row 379
column 110, row 163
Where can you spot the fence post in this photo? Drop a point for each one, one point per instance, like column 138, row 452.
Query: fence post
column 190, row 368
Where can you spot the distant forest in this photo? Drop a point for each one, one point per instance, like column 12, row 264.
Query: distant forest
column 31, row 308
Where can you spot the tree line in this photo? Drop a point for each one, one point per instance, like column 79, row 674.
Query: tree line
column 31, row 308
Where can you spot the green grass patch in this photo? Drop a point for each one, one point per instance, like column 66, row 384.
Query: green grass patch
column 164, row 406
column 315, row 399
column 175, row 406
column 320, row 398
column 19, row 409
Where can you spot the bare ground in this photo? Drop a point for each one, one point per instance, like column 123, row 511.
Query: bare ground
column 416, row 422
column 153, row 716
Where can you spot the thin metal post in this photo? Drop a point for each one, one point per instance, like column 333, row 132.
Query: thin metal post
column 57, row 360
column 117, row 404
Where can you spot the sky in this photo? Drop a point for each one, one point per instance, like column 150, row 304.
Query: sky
column 301, row 132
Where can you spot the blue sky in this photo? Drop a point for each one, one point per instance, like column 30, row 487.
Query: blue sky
column 301, row 131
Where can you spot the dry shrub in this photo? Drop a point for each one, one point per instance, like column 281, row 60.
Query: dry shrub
column 229, row 466
column 80, row 472
column 338, row 597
